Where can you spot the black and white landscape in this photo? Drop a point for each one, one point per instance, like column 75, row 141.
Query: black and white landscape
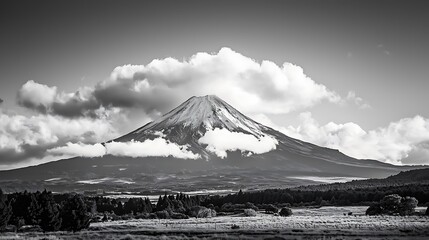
column 214, row 120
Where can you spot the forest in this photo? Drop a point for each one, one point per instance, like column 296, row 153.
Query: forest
column 74, row 212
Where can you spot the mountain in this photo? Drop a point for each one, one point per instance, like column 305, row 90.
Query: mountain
column 233, row 152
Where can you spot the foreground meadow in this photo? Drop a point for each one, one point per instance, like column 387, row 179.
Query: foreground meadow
column 305, row 223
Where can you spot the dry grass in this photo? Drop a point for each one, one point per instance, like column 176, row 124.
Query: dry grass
column 326, row 222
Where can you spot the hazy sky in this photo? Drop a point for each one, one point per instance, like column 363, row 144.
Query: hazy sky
column 372, row 54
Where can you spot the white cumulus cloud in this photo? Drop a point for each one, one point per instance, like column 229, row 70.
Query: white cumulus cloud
column 23, row 138
column 390, row 144
column 221, row 140
column 36, row 95
column 80, row 150
column 163, row 83
column 158, row 147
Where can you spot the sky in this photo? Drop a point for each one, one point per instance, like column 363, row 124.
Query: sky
column 350, row 75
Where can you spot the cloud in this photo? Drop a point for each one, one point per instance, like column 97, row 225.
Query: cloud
column 22, row 137
column 161, row 84
column 393, row 143
column 79, row 150
column 158, row 147
column 36, row 95
column 358, row 101
column 221, row 140
column 418, row 155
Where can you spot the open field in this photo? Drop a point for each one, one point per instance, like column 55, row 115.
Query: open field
column 306, row 223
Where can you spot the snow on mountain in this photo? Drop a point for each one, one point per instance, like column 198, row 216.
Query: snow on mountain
column 207, row 125
column 209, row 111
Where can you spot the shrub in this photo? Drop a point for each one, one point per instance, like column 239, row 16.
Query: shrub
column 407, row 206
column 142, row 216
column 162, row 214
column 202, row 212
column 252, row 206
column 206, row 213
column 234, row 226
column 390, row 203
column 179, row 216
column 270, row 208
column 285, row 212
column 249, row 212
column 374, row 209
column 393, row 204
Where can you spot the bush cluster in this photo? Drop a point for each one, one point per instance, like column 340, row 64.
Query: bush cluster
column 249, row 212
column 285, row 212
column 393, row 204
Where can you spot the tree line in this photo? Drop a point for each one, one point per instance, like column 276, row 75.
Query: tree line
column 310, row 197
column 41, row 209
column 73, row 212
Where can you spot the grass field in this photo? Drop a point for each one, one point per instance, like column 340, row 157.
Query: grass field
column 306, row 223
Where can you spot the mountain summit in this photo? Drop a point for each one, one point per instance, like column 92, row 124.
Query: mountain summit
column 195, row 116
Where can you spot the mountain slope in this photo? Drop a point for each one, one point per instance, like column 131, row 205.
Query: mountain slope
column 187, row 123
column 416, row 177
column 285, row 163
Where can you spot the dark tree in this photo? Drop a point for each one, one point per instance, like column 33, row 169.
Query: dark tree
column 374, row 209
column 271, row 209
column 407, row 206
column 20, row 203
column 5, row 211
column 74, row 214
column 50, row 212
column 390, row 203
column 393, row 204
column 34, row 209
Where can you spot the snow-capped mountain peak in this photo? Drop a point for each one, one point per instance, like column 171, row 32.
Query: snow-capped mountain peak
column 208, row 112
column 207, row 124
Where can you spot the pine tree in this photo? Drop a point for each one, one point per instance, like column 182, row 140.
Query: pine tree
column 34, row 210
column 5, row 211
column 159, row 204
column 50, row 213
column 74, row 214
